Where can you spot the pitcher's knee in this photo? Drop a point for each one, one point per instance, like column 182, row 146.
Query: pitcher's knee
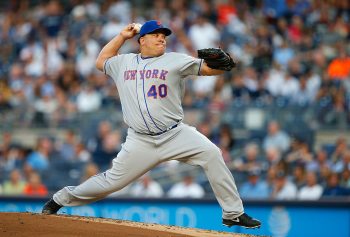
column 120, row 179
column 212, row 152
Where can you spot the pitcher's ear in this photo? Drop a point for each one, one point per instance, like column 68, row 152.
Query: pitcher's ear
column 141, row 40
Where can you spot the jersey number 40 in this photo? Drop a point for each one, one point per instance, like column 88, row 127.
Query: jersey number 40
column 162, row 91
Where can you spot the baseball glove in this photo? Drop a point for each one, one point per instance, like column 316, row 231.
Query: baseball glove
column 216, row 58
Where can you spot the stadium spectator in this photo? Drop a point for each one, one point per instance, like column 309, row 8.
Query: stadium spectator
column 299, row 176
column 146, row 187
column 289, row 87
column 81, row 154
column 111, row 28
column 263, row 49
column 67, row 147
column 16, row 84
column 250, row 80
column 225, row 10
column 296, row 68
column 78, row 22
column 53, row 60
column 283, row 189
column 339, row 68
column 312, row 190
column 187, row 188
column 87, row 53
column 250, row 160
column 109, row 150
column 216, row 105
column 35, row 187
column 254, row 188
column 4, row 98
column 320, row 162
column 88, row 99
column 344, row 163
column 66, row 112
column 45, row 106
column 225, row 140
column 302, row 96
column 296, row 30
column 261, row 94
column 52, row 20
column 274, row 9
column 67, row 79
column 276, row 137
column 120, row 9
column 92, row 9
column 274, row 79
column 203, row 34
column 271, row 177
column 345, row 179
column 32, row 57
column 238, row 88
column 15, row 185
column 238, row 27
column 38, row 159
column 313, row 83
column 226, row 137
column 299, row 8
column 12, row 158
column 336, row 157
column 283, row 54
column 340, row 27
column 159, row 11
column 95, row 141
column 273, row 156
column 333, row 188
column 300, row 153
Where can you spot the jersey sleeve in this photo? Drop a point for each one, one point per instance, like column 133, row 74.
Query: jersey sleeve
column 188, row 65
column 112, row 65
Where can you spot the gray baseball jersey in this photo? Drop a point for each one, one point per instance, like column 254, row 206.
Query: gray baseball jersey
column 151, row 90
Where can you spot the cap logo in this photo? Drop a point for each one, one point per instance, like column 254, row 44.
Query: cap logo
column 159, row 23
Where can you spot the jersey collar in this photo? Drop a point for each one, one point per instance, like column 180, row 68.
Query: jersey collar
column 144, row 58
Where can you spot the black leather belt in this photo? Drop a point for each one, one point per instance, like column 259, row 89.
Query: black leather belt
column 160, row 133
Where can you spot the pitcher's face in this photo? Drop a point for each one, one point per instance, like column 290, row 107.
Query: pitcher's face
column 153, row 45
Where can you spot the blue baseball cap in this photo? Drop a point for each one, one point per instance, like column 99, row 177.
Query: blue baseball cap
column 152, row 26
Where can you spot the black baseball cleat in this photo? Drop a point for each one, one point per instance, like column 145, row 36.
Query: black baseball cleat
column 51, row 207
column 243, row 220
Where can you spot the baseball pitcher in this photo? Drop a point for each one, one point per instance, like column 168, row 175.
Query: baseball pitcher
column 150, row 85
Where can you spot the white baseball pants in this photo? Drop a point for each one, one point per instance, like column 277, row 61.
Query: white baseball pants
column 140, row 153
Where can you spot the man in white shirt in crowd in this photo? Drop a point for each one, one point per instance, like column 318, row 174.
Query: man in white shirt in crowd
column 283, row 189
column 276, row 137
column 312, row 190
column 146, row 187
column 187, row 188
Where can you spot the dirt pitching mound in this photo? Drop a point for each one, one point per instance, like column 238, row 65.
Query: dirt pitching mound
column 32, row 224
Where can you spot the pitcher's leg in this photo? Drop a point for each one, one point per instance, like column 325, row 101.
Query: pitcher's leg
column 221, row 181
column 135, row 159
column 192, row 147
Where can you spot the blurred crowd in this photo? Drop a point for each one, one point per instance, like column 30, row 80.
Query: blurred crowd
column 295, row 51
column 280, row 167
column 289, row 53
